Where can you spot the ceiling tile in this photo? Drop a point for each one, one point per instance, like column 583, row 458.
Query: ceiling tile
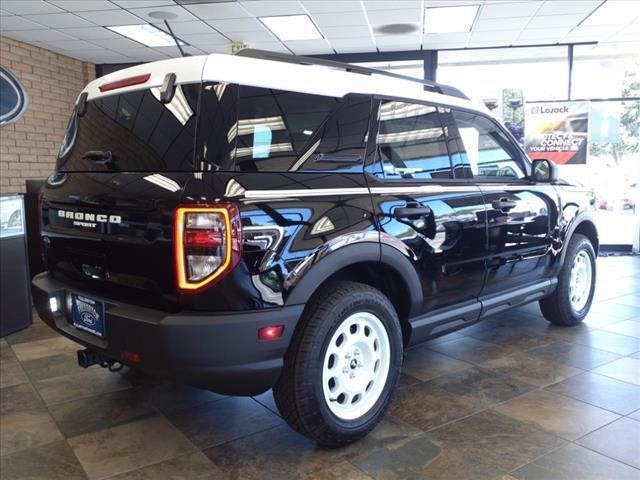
column 269, row 8
column 451, row 3
column 551, row 21
column 217, row 11
column 508, row 10
column 177, row 13
column 502, row 36
column 346, row 18
column 145, row 54
column 373, row 5
column 249, row 37
column 594, row 31
column 488, row 44
column 70, row 45
column 38, row 35
column 112, row 17
column 8, row 24
column 332, row 6
column 90, row 33
column 445, row 37
column 492, row 25
column 28, row 7
column 560, row 7
column 118, row 44
column 186, row 28
column 552, row 34
column 398, row 42
column 143, row 3
column 173, row 52
column 379, row 17
column 360, row 43
column 534, row 41
column 443, row 45
column 270, row 46
column 60, row 20
column 309, row 47
column 102, row 56
column 76, row 6
column 205, row 39
column 346, row 32
column 236, row 25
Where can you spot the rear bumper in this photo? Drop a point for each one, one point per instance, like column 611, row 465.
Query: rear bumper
column 219, row 352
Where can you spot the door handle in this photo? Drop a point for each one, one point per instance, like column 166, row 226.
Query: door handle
column 504, row 204
column 412, row 210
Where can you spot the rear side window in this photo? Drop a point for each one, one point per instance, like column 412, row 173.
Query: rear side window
column 411, row 143
column 275, row 127
column 484, row 149
column 339, row 145
column 133, row 131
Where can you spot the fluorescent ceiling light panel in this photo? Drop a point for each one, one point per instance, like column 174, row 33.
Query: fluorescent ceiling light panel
column 292, row 27
column 613, row 12
column 146, row 34
column 449, row 19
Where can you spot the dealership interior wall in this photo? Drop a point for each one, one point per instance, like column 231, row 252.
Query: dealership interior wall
column 510, row 398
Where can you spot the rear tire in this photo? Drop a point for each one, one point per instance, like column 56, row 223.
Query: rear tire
column 342, row 366
column 569, row 304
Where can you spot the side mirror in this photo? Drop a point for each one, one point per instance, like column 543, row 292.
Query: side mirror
column 544, row 171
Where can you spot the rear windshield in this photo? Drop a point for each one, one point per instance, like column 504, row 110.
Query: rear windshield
column 133, row 132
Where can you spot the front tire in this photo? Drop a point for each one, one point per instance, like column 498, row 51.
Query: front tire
column 342, row 366
column 569, row 304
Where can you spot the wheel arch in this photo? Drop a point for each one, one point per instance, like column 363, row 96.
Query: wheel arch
column 389, row 271
column 584, row 224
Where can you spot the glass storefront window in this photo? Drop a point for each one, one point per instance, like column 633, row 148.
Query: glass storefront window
column 410, row 68
column 508, row 76
column 613, row 167
column 606, row 71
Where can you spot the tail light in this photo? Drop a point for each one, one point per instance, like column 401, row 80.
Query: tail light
column 208, row 244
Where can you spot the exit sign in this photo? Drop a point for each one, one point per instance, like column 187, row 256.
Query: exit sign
column 237, row 46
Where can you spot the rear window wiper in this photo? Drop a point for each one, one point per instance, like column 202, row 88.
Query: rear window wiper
column 104, row 157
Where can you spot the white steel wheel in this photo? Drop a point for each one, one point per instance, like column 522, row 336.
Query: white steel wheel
column 356, row 366
column 580, row 281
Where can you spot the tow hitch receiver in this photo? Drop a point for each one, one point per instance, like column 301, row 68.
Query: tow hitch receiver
column 87, row 358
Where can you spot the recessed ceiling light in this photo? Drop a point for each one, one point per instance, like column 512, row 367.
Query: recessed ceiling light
column 292, row 27
column 162, row 15
column 397, row 28
column 449, row 19
column 147, row 35
column 613, row 12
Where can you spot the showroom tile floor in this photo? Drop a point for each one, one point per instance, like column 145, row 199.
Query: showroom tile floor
column 512, row 397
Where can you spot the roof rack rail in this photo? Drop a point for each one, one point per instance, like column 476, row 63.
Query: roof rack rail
column 302, row 60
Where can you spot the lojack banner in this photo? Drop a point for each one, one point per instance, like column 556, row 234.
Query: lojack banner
column 558, row 131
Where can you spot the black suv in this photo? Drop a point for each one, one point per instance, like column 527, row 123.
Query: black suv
column 296, row 230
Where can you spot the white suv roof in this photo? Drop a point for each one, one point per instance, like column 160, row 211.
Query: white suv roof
column 318, row 79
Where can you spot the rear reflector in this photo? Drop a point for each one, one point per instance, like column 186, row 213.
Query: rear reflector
column 270, row 333
column 208, row 244
column 125, row 82
column 131, row 357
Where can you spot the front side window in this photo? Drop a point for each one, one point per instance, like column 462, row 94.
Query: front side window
column 411, row 143
column 275, row 127
column 484, row 149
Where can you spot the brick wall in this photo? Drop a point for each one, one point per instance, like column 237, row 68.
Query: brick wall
column 28, row 148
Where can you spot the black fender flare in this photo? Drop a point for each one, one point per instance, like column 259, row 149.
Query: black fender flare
column 352, row 254
column 579, row 219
